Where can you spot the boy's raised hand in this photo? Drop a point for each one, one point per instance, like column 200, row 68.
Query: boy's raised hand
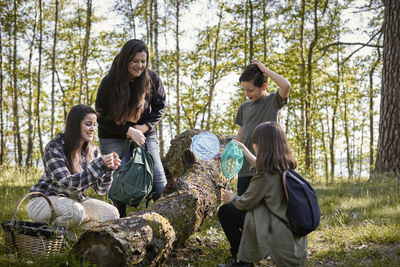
column 260, row 66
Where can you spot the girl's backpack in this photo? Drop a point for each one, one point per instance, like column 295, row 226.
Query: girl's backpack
column 303, row 209
column 133, row 182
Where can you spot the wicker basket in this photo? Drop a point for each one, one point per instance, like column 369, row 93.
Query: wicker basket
column 33, row 239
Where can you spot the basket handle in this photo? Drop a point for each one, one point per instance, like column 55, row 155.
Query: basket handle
column 53, row 214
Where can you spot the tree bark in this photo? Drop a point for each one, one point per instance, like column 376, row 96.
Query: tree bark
column 147, row 237
column 371, row 95
column 83, row 84
column 29, row 150
column 388, row 153
column 16, row 91
column 1, row 97
column 177, row 62
column 349, row 156
column 251, row 30
column 157, row 69
column 213, row 69
column 53, row 69
column 38, row 78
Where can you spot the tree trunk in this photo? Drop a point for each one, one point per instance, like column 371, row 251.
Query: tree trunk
column 132, row 18
column 213, row 70
column 324, row 151
column 84, row 88
column 251, row 30
column 349, row 157
column 157, row 69
column 15, row 91
column 333, row 121
column 388, row 153
column 53, row 69
column 178, row 93
column 38, row 78
column 245, row 34
column 371, row 116
column 264, row 6
column 303, row 75
column 147, row 237
column 1, row 97
column 28, row 159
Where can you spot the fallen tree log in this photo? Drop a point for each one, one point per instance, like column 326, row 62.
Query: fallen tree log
column 146, row 238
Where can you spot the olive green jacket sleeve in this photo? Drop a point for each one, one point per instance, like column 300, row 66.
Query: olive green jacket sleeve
column 266, row 188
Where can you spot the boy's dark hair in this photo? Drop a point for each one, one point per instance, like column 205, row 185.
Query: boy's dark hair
column 253, row 73
column 274, row 152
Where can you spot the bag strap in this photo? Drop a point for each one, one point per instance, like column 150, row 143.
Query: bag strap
column 284, row 184
column 136, row 145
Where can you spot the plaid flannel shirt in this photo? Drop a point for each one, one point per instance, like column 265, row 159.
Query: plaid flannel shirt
column 57, row 179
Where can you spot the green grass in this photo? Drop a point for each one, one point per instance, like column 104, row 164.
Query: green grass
column 360, row 226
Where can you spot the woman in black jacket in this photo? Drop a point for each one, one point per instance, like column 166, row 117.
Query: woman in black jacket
column 131, row 101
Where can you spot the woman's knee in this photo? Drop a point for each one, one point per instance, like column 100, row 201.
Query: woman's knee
column 68, row 211
column 39, row 210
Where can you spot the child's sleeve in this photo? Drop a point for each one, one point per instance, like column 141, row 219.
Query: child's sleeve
column 279, row 102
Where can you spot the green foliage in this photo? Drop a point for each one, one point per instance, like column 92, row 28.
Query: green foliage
column 298, row 42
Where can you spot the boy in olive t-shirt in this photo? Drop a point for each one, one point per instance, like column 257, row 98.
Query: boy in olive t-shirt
column 260, row 107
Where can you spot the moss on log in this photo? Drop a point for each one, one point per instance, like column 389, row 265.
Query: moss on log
column 146, row 238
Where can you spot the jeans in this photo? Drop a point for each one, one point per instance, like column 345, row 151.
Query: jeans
column 120, row 146
column 232, row 221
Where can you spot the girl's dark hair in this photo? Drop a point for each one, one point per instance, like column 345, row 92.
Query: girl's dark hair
column 252, row 73
column 273, row 149
column 72, row 136
column 126, row 103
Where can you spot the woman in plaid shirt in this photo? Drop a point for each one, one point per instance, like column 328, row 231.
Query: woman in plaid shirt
column 72, row 164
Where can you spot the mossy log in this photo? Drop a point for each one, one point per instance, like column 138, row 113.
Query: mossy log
column 146, row 238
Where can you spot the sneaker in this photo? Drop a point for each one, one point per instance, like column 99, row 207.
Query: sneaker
column 232, row 262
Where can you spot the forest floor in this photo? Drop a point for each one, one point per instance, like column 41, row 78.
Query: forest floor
column 360, row 226
column 197, row 249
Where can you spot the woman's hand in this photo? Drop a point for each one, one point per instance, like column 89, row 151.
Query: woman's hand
column 112, row 161
column 226, row 195
column 136, row 135
column 142, row 127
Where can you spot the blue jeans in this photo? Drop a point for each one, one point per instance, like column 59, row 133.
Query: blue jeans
column 121, row 146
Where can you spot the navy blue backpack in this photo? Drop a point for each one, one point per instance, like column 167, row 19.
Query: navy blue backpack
column 303, row 209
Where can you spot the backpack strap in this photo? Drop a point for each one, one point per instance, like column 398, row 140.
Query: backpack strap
column 284, row 184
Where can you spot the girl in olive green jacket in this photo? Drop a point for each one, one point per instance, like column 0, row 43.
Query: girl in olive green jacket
column 254, row 222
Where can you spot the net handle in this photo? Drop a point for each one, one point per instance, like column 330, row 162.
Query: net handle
column 53, row 214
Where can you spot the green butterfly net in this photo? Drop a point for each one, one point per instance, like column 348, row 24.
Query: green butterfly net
column 231, row 160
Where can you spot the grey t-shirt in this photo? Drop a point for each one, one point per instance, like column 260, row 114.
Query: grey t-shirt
column 252, row 114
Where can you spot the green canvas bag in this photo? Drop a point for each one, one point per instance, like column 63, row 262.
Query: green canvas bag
column 133, row 182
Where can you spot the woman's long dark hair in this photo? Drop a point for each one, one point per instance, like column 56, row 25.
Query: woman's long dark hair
column 72, row 135
column 273, row 148
column 126, row 103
